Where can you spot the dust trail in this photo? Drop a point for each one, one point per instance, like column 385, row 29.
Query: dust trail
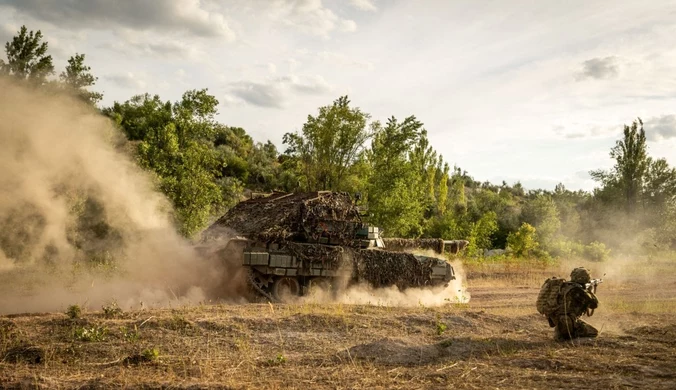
column 70, row 195
column 364, row 294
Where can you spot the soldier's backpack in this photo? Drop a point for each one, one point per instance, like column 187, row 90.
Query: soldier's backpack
column 548, row 298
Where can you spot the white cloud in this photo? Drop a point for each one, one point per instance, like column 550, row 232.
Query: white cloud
column 131, row 43
column 348, row 26
column 7, row 31
column 364, row 5
column 126, row 80
column 160, row 15
column 310, row 17
column 313, row 85
column 293, row 64
column 343, row 60
column 587, row 130
column 660, row 128
column 272, row 68
column 277, row 92
column 268, row 95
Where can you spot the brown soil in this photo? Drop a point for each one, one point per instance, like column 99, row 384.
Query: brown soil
column 496, row 341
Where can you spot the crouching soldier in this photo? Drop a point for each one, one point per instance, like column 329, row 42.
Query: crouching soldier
column 575, row 301
column 564, row 302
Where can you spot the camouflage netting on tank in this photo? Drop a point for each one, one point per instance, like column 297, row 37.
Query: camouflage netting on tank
column 282, row 216
column 407, row 244
column 331, row 257
column 383, row 268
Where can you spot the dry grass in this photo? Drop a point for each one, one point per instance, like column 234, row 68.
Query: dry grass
column 495, row 341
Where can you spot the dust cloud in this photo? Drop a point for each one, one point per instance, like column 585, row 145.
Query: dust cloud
column 364, row 294
column 71, row 196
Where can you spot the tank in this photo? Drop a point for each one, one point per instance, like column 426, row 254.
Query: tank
column 290, row 242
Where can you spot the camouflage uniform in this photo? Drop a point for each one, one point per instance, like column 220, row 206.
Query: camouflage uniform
column 575, row 301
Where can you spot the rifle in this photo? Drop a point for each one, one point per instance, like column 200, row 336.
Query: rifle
column 591, row 286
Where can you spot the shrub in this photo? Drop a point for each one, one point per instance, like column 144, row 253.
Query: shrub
column 567, row 249
column 112, row 310
column 278, row 360
column 441, row 327
column 74, row 311
column 150, row 354
column 131, row 335
column 596, row 251
column 523, row 241
column 88, row 334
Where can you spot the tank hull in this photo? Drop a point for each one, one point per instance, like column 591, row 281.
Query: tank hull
column 299, row 266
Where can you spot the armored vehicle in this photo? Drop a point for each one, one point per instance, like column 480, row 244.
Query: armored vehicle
column 291, row 241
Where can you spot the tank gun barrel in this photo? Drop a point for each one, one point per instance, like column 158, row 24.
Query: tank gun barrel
column 435, row 244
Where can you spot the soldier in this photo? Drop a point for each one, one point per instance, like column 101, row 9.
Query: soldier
column 575, row 301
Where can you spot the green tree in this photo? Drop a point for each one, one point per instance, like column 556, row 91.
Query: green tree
column 481, row 233
column 631, row 165
column 442, row 187
column 27, row 57
column 571, row 206
column 396, row 188
column 523, row 242
column 138, row 115
column 541, row 213
column 660, row 183
column 423, row 160
column 329, row 144
column 78, row 78
column 178, row 143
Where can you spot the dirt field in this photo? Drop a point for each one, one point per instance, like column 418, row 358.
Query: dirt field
column 496, row 341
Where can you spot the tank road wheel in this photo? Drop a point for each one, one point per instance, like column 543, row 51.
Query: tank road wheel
column 285, row 288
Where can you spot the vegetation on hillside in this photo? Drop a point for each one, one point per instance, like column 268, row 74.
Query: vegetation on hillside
column 204, row 167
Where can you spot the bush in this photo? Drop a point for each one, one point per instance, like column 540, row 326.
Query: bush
column 151, row 354
column 74, row 311
column 112, row 310
column 596, row 251
column 441, row 327
column 522, row 242
column 87, row 334
column 278, row 360
column 567, row 249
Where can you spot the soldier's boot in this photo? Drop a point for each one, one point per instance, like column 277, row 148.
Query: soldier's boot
column 586, row 330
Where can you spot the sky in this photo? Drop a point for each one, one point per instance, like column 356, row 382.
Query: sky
column 530, row 91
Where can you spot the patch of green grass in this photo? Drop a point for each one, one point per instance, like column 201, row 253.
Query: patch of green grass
column 90, row 333
column 441, row 326
column 278, row 360
column 131, row 335
column 151, row 354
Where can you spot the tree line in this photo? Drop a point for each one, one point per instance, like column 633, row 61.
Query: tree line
column 204, row 167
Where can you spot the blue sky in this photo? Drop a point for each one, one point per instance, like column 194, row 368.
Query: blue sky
column 535, row 91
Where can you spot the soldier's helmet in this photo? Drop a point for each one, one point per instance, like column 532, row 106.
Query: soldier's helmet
column 580, row 275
